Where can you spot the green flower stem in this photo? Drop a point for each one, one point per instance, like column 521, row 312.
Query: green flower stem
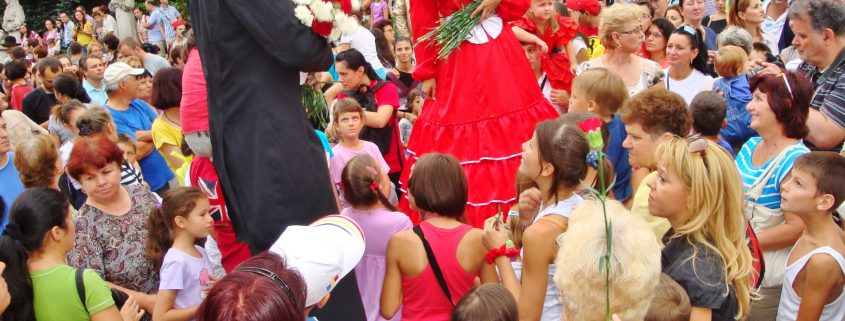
column 449, row 35
column 603, row 198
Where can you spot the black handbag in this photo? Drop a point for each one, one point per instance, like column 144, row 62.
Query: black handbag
column 118, row 296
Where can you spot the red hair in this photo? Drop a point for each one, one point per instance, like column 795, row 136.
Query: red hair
column 247, row 296
column 92, row 153
column 790, row 105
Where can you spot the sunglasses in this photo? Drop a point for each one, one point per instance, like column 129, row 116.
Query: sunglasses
column 697, row 144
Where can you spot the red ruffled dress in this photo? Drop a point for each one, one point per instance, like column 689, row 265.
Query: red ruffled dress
column 487, row 104
column 555, row 63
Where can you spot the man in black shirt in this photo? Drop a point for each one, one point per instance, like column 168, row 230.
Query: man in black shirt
column 38, row 103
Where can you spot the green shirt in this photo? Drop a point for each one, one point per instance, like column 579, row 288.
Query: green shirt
column 56, row 297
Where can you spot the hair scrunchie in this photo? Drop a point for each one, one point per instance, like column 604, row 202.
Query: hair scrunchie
column 13, row 231
column 593, row 159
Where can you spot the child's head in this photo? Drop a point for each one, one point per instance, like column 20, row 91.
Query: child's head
column 814, row 184
column 364, row 183
column 488, row 302
column 708, row 113
column 347, row 118
column 598, row 91
column 127, row 145
column 730, row 61
column 438, row 185
column 557, row 154
column 182, row 210
column 759, row 52
column 415, row 101
column 670, row 302
column 699, row 186
column 543, row 10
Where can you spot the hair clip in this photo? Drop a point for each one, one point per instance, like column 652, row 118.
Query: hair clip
column 372, row 170
column 697, row 144
column 374, row 186
column 270, row 275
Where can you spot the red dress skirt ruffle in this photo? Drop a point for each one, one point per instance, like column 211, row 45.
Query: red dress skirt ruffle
column 487, row 104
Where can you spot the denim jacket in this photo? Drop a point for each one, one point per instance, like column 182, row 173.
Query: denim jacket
column 737, row 95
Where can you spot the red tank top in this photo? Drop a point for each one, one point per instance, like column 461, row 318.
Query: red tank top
column 422, row 297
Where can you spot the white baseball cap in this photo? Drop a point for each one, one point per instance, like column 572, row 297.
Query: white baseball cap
column 323, row 252
column 119, row 70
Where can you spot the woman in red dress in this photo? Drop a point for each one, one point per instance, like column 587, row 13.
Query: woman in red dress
column 482, row 102
column 543, row 26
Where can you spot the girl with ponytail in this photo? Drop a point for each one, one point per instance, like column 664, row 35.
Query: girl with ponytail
column 66, row 88
column 364, row 188
column 175, row 226
column 34, row 245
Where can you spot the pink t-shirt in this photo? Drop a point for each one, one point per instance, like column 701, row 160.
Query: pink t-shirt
column 378, row 226
column 342, row 155
column 194, row 108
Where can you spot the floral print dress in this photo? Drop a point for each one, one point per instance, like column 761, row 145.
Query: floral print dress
column 114, row 245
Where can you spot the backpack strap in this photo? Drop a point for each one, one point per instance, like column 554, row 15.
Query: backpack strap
column 80, row 287
column 434, row 266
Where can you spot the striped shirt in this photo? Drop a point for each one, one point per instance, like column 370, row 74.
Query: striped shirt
column 829, row 94
column 130, row 176
column 770, row 197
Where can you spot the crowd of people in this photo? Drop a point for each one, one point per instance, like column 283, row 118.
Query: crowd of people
column 466, row 188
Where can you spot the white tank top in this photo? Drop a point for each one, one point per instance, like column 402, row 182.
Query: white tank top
column 552, row 307
column 790, row 301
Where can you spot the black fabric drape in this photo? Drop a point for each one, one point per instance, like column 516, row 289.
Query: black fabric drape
column 271, row 164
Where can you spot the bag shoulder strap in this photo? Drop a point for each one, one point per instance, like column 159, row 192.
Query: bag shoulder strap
column 80, row 287
column 379, row 84
column 756, row 189
column 434, row 266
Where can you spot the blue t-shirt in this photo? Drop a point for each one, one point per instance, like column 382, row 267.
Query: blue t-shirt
column 154, row 34
column 770, row 197
column 727, row 147
column 618, row 156
column 140, row 116
column 10, row 188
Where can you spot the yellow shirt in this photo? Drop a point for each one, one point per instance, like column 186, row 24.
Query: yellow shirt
column 85, row 36
column 658, row 225
column 166, row 133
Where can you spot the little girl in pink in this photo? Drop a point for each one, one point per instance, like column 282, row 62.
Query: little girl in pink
column 364, row 188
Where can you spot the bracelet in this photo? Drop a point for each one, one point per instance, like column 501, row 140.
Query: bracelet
column 493, row 254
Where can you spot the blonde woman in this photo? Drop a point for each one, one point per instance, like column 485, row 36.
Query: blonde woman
column 698, row 189
column 634, row 264
column 622, row 36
